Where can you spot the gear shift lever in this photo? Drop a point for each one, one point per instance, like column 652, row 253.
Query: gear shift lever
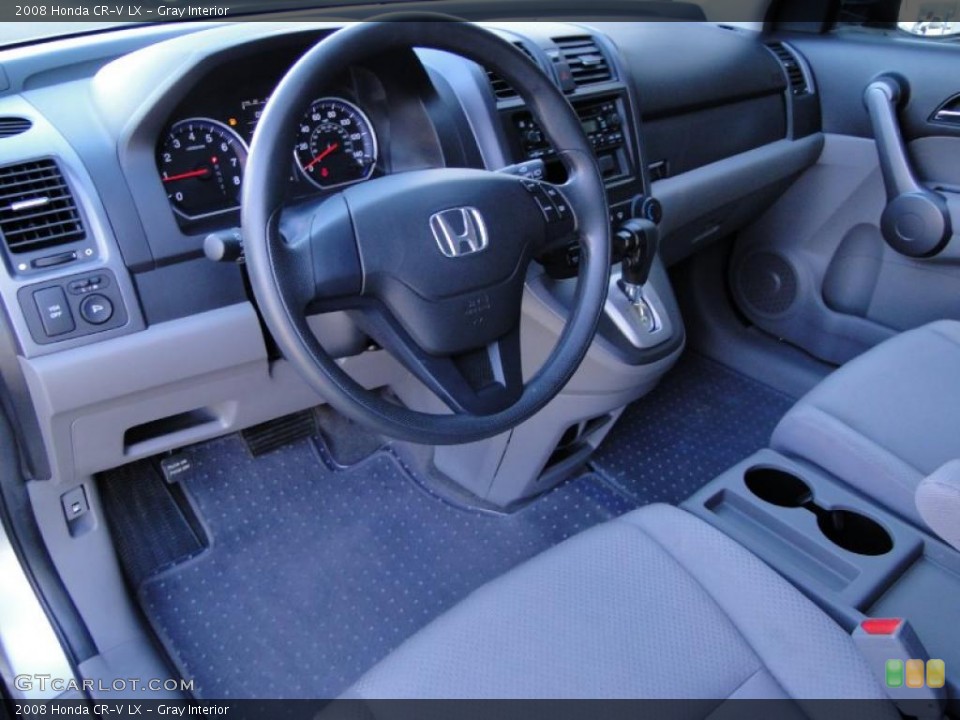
column 636, row 242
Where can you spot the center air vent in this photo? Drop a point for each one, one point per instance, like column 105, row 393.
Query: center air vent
column 501, row 88
column 588, row 64
column 37, row 210
column 10, row 126
column 798, row 81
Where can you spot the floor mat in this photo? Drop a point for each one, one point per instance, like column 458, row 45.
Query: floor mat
column 174, row 533
column 315, row 573
column 702, row 419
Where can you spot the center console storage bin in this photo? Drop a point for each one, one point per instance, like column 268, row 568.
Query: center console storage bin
column 850, row 556
column 830, row 542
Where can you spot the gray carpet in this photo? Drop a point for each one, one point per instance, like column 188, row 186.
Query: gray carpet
column 702, row 419
column 289, row 576
column 314, row 573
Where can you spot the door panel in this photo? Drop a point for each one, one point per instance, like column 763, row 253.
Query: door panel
column 845, row 62
column 815, row 270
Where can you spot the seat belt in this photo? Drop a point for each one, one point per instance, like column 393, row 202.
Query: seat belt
column 914, row 681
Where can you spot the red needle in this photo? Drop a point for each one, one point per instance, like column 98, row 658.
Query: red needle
column 321, row 156
column 185, row 176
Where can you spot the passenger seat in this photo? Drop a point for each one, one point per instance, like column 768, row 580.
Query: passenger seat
column 888, row 423
column 656, row 604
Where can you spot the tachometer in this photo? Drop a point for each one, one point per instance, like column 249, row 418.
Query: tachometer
column 336, row 144
column 201, row 165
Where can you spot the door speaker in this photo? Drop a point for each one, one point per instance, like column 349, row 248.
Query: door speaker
column 767, row 283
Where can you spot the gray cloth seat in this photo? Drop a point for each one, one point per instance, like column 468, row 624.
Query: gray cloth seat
column 655, row 604
column 886, row 420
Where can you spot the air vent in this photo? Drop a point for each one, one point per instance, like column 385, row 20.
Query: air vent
column 588, row 64
column 798, row 81
column 501, row 88
column 10, row 126
column 37, row 210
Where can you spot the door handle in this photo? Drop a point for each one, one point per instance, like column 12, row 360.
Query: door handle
column 948, row 113
column 916, row 220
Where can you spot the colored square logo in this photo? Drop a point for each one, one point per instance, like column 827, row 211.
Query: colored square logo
column 894, row 673
column 936, row 674
column 915, row 673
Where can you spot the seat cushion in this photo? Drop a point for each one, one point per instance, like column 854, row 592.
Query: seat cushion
column 656, row 604
column 885, row 420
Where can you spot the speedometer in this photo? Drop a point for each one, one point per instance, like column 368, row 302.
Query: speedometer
column 201, row 166
column 336, row 144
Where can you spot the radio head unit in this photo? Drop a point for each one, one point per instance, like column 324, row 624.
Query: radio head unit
column 604, row 125
column 607, row 124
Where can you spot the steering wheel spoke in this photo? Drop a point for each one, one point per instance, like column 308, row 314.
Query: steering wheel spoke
column 317, row 250
column 482, row 381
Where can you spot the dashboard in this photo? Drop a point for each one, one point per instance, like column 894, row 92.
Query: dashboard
column 152, row 145
column 120, row 339
column 390, row 115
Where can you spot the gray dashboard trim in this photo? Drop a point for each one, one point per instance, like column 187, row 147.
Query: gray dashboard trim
column 700, row 192
column 71, row 381
column 98, row 251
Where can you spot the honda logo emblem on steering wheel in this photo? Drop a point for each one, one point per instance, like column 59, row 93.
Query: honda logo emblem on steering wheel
column 459, row 232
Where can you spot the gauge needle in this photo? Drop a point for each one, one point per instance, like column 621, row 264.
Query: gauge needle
column 321, row 156
column 187, row 175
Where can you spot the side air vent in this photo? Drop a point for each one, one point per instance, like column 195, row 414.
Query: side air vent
column 37, row 210
column 588, row 64
column 10, row 126
column 501, row 88
column 791, row 66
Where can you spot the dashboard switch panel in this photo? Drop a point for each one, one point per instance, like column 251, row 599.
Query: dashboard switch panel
column 55, row 316
column 72, row 306
column 85, row 285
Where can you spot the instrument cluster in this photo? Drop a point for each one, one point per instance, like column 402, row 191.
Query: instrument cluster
column 201, row 159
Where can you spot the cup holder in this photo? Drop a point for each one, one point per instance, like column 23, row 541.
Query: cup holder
column 847, row 529
column 778, row 487
column 854, row 532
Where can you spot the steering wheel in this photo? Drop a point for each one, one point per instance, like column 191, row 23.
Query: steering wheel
column 431, row 263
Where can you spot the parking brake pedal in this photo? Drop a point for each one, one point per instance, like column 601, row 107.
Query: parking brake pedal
column 273, row 435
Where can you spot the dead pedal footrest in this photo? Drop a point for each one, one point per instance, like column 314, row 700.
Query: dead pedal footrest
column 270, row 436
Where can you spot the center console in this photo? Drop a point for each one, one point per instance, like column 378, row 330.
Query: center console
column 639, row 315
column 607, row 123
column 640, row 334
column 851, row 557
